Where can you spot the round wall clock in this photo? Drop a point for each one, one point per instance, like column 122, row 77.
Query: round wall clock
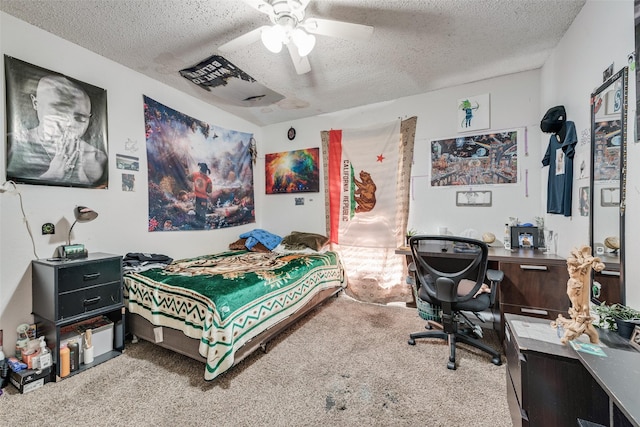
column 291, row 134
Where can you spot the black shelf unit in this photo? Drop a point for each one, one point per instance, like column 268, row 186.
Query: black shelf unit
column 66, row 292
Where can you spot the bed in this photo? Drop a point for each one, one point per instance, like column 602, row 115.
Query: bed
column 219, row 308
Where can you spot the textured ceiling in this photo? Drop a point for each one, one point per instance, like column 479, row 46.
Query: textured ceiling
column 417, row 45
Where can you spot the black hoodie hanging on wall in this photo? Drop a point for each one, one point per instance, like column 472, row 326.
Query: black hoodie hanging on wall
column 559, row 158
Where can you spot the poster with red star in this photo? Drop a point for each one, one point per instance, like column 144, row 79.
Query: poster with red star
column 363, row 170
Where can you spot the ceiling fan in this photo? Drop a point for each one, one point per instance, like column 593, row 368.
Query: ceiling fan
column 290, row 28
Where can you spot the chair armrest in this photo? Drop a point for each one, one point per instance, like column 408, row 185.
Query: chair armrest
column 495, row 275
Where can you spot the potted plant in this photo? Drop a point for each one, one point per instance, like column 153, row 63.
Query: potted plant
column 410, row 232
column 617, row 317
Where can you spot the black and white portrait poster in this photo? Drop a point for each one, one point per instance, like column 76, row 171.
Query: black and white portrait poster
column 56, row 128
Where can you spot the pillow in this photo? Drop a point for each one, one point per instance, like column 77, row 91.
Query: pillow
column 299, row 240
column 239, row 245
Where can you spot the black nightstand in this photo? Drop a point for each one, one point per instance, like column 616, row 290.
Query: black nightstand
column 68, row 292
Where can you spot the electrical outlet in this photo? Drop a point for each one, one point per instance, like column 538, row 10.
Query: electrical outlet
column 48, row 228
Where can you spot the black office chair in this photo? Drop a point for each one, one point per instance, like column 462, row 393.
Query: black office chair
column 450, row 271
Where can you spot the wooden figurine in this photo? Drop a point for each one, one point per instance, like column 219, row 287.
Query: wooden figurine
column 579, row 266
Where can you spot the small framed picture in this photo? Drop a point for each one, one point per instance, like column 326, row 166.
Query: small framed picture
column 635, row 337
column 525, row 240
column 524, row 237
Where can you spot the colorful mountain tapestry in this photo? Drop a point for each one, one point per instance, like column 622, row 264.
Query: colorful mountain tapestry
column 200, row 176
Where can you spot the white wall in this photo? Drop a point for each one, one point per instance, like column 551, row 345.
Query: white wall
column 569, row 77
column 514, row 104
column 121, row 226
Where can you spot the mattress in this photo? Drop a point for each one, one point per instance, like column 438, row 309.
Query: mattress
column 225, row 299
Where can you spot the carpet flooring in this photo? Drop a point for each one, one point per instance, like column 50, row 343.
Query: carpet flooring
column 345, row 364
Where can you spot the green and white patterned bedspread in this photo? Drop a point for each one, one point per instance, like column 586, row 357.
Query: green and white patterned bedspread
column 226, row 299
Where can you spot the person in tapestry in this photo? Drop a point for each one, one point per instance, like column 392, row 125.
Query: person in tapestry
column 559, row 158
column 55, row 151
column 202, row 187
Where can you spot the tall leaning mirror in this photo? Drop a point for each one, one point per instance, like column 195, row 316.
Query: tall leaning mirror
column 608, row 179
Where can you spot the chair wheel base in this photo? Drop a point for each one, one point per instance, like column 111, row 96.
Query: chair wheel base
column 496, row 361
column 411, row 341
column 451, row 365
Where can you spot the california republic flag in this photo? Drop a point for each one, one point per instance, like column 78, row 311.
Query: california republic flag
column 363, row 169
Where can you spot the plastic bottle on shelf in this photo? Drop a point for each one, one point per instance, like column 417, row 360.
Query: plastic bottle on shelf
column 65, row 368
column 507, row 237
column 74, row 355
column 44, row 360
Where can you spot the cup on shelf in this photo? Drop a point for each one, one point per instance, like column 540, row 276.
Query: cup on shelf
column 88, row 355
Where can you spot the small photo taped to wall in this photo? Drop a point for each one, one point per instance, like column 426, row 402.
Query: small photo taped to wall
column 128, row 182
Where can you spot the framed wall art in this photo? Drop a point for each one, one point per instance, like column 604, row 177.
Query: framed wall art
column 473, row 198
column 480, row 159
column 56, row 128
column 292, row 171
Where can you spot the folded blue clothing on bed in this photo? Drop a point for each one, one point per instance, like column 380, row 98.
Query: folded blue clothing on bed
column 255, row 236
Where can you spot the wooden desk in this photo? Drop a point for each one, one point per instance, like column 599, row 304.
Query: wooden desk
column 535, row 283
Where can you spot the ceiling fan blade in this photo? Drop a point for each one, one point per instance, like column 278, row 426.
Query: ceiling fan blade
column 301, row 63
column 260, row 6
column 343, row 30
column 304, row 3
column 242, row 41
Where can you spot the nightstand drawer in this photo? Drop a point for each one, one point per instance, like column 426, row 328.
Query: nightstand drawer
column 86, row 300
column 89, row 274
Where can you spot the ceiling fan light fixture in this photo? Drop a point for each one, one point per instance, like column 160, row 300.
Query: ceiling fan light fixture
column 273, row 37
column 305, row 42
